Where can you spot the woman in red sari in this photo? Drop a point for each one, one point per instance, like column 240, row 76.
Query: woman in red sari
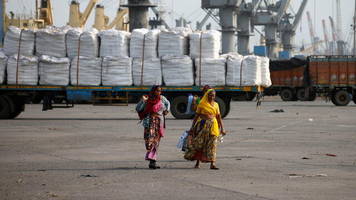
column 152, row 109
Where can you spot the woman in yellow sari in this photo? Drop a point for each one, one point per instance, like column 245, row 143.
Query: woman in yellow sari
column 206, row 128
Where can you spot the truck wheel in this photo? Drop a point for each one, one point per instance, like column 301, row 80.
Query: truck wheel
column 354, row 98
column 223, row 106
column 179, row 108
column 19, row 107
column 302, row 95
column 6, row 107
column 341, row 98
column 312, row 96
column 287, row 95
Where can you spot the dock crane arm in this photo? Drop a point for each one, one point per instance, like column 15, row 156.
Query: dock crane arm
column 84, row 17
column 282, row 9
column 299, row 14
column 119, row 19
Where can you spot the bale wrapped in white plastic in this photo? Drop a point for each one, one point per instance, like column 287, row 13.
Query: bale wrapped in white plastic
column 89, row 73
column 205, row 44
column 265, row 73
column 177, row 71
column 114, row 43
column 144, row 43
column 212, row 71
column 3, row 61
column 117, row 71
column 233, row 74
column 89, row 46
column 51, row 41
column 173, row 43
column 151, row 74
column 23, row 71
column 54, row 71
column 12, row 42
column 247, row 72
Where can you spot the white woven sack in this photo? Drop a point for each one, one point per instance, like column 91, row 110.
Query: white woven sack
column 205, row 44
column 144, row 43
column 88, row 43
column 265, row 73
column 173, row 43
column 213, row 72
column 251, row 71
column 26, row 72
column 54, row 71
column 151, row 74
column 114, row 43
column 89, row 71
column 117, row 71
column 3, row 60
column 178, row 71
column 12, row 42
column 233, row 74
column 51, row 41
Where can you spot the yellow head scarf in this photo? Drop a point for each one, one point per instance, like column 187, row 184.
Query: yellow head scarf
column 206, row 108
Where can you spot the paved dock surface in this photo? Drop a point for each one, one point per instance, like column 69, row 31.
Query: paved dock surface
column 307, row 152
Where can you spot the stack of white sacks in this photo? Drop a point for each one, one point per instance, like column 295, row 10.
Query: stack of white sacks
column 116, row 63
column 145, row 57
column 22, row 65
column 177, row 66
column 146, row 66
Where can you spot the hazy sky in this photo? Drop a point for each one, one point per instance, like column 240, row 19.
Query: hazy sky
column 190, row 9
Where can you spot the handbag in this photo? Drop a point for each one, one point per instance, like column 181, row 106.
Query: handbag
column 183, row 141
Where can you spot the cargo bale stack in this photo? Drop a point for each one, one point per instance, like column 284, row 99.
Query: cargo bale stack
column 22, row 70
column 89, row 72
column 54, row 71
column 51, row 41
column 114, row 43
column 19, row 41
column 117, row 71
column 177, row 71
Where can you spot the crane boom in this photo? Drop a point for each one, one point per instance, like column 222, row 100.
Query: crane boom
column 335, row 36
column 282, row 9
column 84, row 17
column 311, row 28
column 338, row 20
column 299, row 15
column 326, row 37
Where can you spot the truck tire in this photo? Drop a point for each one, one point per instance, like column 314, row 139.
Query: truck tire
column 6, row 107
column 224, row 106
column 179, row 108
column 341, row 98
column 312, row 96
column 302, row 95
column 287, row 95
column 354, row 98
column 19, row 107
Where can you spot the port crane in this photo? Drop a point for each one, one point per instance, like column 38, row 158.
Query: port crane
column 77, row 18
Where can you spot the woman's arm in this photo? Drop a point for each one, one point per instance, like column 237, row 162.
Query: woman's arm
column 221, row 124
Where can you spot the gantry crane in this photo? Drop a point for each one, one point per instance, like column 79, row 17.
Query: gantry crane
column 288, row 29
column 78, row 19
column 270, row 16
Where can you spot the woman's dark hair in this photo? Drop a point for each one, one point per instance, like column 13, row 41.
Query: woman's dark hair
column 155, row 87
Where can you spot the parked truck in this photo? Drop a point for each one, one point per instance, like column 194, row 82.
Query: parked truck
column 14, row 97
column 304, row 79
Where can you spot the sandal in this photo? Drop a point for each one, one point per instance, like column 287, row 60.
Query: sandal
column 214, row 167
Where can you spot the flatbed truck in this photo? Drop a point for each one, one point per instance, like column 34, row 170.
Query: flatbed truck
column 14, row 97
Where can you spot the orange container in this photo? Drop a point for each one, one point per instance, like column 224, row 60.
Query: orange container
column 333, row 70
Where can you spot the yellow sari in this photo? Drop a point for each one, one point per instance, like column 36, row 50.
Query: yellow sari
column 202, row 142
column 206, row 108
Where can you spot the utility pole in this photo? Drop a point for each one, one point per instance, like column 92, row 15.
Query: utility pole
column 36, row 13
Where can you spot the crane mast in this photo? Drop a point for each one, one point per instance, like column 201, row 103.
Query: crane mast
column 313, row 38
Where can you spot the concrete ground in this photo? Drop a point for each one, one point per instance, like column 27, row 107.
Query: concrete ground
column 306, row 152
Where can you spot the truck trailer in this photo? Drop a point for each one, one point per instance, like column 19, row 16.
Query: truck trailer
column 333, row 77
column 14, row 97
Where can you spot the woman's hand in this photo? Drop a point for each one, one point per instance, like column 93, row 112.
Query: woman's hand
column 144, row 98
column 165, row 112
column 223, row 132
